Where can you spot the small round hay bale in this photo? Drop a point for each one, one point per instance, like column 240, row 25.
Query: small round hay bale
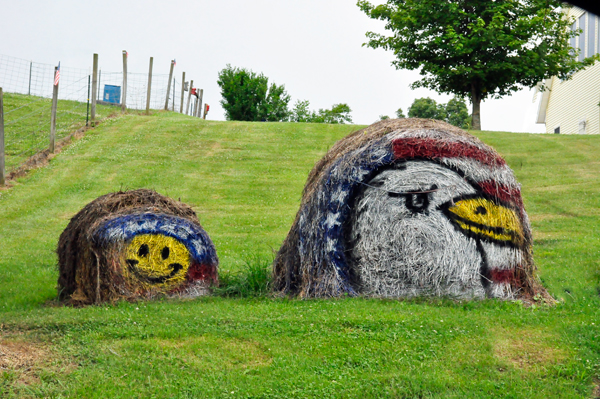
column 134, row 244
column 410, row 207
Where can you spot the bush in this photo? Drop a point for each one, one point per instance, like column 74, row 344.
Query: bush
column 248, row 97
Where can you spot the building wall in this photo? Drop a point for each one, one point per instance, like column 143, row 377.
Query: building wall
column 577, row 99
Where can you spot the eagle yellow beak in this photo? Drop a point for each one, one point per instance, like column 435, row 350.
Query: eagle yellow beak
column 486, row 219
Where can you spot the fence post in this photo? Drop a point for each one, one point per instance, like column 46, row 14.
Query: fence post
column 169, row 86
column 30, row 66
column 94, row 89
column 182, row 93
column 2, row 162
column 187, row 107
column 123, row 102
column 149, row 87
column 200, row 103
column 53, row 115
column 87, row 112
column 174, row 90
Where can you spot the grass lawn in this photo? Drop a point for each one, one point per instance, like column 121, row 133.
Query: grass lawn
column 27, row 123
column 244, row 180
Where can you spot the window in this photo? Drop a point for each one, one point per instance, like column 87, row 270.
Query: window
column 557, row 130
column 573, row 40
column 582, row 37
column 591, row 35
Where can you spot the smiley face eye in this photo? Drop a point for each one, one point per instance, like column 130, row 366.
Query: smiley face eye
column 165, row 253
column 144, row 250
column 480, row 210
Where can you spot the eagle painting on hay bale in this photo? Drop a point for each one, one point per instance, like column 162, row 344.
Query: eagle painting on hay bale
column 134, row 244
column 410, row 207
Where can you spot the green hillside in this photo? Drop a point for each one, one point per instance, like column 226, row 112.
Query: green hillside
column 27, row 123
column 244, row 180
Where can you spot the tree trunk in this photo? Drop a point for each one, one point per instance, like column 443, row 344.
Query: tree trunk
column 476, row 101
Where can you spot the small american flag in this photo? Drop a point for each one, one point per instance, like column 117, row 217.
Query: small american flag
column 174, row 62
column 57, row 75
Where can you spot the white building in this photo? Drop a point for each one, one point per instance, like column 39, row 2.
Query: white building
column 573, row 106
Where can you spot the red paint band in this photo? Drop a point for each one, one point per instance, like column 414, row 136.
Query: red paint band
column 502, row 192
column 202, row 272
column 502, row 276
column 434, row 148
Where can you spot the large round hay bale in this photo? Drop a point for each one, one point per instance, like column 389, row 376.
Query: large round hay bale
column 134, row 244
column 409, row 207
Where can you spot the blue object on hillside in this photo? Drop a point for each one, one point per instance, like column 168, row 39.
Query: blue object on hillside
column 112, row 94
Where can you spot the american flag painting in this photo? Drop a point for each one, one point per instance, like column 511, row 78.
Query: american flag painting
column 57, row 75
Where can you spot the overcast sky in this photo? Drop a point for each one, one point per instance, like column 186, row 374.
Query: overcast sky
column 313, row 47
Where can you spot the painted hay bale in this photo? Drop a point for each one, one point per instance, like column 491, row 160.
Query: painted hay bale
column 410, row 207
column 134, row 244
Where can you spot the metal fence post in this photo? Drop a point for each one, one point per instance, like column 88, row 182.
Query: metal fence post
column 53, row 116
column 187, row 107
column 87, row 112
column 182, row 93
column 2, row 156
column 123, row 102
column 94, row 89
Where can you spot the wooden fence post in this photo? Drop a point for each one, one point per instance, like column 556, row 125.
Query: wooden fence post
column 94, row 89
column 53, row 114
column 149, row 87
column 182, row 93
column 169, row 86
column 187, row 107
column 123, row 102
column 2, row 162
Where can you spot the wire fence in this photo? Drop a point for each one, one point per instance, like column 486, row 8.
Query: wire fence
column 28, row 88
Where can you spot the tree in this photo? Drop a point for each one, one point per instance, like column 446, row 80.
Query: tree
column 454, row 112
column 457, row 113
column 339, row 113
column 301, row 112
column 477, row 48
column 383, row 117
column 400, row 114
column 427, row 108
column 248, row 97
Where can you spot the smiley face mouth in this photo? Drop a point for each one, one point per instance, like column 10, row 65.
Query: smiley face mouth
column 142, row 275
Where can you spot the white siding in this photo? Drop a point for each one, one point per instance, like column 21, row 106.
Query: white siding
column 577, row 99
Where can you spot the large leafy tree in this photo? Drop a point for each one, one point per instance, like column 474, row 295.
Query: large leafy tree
column 247, row 96
column 477, row 48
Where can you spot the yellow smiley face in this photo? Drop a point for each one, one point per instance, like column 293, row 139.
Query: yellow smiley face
column 156, row 260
